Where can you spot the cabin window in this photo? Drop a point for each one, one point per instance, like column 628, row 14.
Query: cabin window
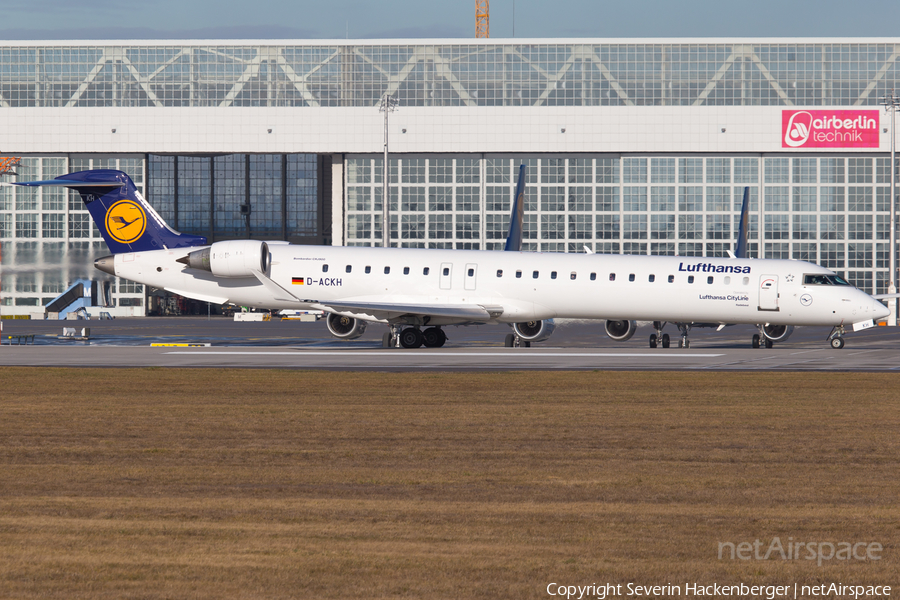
column 368, row 269
column 534, row 275
column 518, row 274
column 446, row 271
column 652, row 278
column 631, row 277
column 727, row 280
column 387, row 270
column 690, row 279
column 425, row 271
column 671, row 279
column 406, row 270
column 499, row 272
column 746, row 281
column 349, row 268
column 324, row 268
column 572, row 275
column 552, row 274
column 471, row 272
column 709, row 279
column 593, row 277
column 612, row 276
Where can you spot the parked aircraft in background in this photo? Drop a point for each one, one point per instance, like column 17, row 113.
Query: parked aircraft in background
column 417, row 292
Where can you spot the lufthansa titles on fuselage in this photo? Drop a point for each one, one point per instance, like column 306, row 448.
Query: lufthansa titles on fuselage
column 711, row 268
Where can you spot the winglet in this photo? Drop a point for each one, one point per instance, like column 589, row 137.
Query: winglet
column 514, row 237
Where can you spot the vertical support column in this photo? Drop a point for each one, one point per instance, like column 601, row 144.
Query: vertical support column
column 284, row 210
column 175, row 190
column 337, row 199
column 247, row 195
column 212, row 198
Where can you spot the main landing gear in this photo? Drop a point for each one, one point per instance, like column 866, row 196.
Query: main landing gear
column 662, row 339
column 514, row 341
column 659, row 338
column 760, row 340
column 413, row 337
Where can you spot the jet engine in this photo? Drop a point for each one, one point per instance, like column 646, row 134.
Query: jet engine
column 234, row 258
column 778, row 333
column 345, row 328
column 534, row 331
column 620, row 331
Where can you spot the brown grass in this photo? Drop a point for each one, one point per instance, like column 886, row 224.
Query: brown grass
column 162, row 483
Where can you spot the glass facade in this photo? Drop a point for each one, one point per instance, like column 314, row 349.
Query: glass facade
column 819, row 209
column 49, row 240
column 553, row 73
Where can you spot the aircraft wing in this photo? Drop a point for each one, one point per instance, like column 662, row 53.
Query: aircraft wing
column 389, row 311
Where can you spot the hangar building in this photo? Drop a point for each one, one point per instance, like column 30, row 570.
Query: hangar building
column 632, row 146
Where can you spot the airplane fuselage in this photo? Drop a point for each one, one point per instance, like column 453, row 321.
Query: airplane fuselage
column 527, row 285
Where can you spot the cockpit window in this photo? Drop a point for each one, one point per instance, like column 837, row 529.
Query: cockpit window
column 819, row 279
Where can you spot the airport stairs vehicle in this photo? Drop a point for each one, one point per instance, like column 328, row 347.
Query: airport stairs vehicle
column 75, row 301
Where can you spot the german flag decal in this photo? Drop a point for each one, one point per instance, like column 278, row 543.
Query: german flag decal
column 297, row 280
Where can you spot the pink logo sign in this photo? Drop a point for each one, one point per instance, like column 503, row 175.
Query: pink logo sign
column 829, row 129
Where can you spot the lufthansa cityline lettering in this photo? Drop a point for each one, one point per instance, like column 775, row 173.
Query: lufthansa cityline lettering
column 711, row 268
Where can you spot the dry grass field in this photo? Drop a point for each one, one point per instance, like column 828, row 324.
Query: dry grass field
column 162, row 483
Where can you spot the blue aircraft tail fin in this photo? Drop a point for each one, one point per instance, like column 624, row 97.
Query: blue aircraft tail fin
column 740, row 250
column 514, row 237
column 126, row 221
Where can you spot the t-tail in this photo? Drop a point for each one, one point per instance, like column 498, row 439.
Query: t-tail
column 126, row 221
column 514, row 237
column 740, row 250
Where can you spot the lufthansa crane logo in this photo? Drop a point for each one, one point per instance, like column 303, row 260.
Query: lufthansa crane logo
column 126, row 221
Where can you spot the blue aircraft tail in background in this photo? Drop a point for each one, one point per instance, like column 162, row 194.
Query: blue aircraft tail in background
column 514, row 237
column 740, row 250
column 126, row 221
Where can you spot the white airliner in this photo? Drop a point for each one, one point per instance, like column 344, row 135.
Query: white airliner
column 417, row 292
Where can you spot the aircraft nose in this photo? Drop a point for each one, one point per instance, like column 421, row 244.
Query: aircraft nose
column 881, row 311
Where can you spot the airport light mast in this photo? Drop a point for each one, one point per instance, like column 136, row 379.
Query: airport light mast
column 387, row 106
column 892, row 103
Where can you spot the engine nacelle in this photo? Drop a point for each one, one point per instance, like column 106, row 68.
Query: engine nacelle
column 345, row 328
column 778, row 333
column 534, row 331
column 620, row 331
column 234, row 258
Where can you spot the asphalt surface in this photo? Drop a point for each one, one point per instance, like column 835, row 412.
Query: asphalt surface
column 294, row 344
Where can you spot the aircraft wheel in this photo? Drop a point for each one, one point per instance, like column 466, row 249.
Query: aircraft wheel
column 755, row 342
column 665, row 340
column 411, row 338
column 680, row 344
column 769, row 343
column 687, row 343
column 526, row 343
column 837, row 342
column 510, row 340
column 386, row 340
column 433, row 337
column 653, row 340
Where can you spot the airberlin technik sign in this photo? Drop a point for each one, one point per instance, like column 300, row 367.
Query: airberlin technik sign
column 829, row 129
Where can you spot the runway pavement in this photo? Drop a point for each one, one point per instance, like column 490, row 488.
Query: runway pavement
column 296, row 345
